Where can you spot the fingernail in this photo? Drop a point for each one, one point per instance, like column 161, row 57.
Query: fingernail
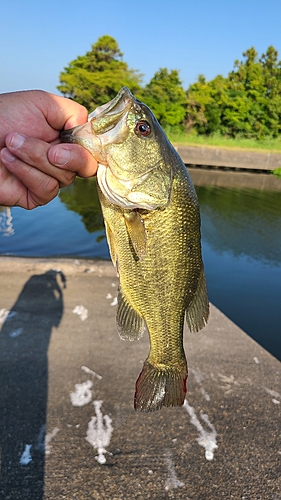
column 16, row 141
column 6, row 155
column 61, row 157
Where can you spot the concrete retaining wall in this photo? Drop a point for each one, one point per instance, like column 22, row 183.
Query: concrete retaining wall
column 229, row 158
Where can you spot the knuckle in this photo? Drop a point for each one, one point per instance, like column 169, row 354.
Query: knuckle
column 50, row 187
column 67, row 179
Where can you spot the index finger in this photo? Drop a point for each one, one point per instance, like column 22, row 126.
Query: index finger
column 60, row 112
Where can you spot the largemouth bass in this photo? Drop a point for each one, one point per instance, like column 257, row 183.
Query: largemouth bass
column 152, row 223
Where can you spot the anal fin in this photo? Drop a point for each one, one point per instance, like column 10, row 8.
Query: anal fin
column 130, row 324
column 111, row 244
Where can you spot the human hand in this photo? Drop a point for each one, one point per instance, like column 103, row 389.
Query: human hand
column 29, row 173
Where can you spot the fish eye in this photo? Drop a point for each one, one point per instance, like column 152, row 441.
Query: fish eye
column 142, row 128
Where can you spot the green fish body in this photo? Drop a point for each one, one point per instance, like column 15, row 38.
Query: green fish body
column 152, row 222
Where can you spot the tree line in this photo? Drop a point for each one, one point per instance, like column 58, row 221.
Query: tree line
column 246, row 103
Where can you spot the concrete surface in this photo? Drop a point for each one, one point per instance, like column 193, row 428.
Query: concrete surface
column 65, row 376
column 234, row 158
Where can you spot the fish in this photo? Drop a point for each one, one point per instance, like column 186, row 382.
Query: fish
column 152, row 221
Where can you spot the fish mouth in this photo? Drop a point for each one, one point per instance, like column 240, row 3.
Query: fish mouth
column 107, row 123
column 107, row 116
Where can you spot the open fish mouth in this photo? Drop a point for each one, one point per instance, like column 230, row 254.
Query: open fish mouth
column 108, row 123
column 107, row 116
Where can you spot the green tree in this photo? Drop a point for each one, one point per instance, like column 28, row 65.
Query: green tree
column 205, row 104
column 272, row 80
column 244, row 112
column 246, row 103
column 96, row 77
column 165, row 96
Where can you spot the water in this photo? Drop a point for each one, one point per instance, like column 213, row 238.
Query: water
column 241, row 240
column 70, row 226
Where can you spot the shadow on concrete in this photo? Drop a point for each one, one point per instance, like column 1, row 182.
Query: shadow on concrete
column 24, row 341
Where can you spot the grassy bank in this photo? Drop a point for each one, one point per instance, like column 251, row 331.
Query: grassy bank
column 269, row 144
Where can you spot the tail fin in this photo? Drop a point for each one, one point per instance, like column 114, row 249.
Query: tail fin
column 157, row 387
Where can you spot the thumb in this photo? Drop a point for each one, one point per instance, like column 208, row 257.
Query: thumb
column 74, row 158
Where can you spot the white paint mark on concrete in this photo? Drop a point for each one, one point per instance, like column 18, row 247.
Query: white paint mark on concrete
column 81, row 311
column 83, row 394
column 114, row 302
column 109, row 296
column 99, row 432
column 16, row 333
column 272, row 393
column 91, row 372
column 90, row 270
column 172, row 481
column 6, row 315
column 48, row 438
column 26, row 457
column 113, row 284
column 43, row 439
column 205, row 394
column 207, row 439
column 229, row 383
column 3, row 315
column 199, row 377
column 256, row 360
column 276, row 396
column 11, row 314
column 40, row 445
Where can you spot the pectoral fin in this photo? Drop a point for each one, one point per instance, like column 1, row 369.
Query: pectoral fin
column 136, row 231
column 198, row 312
column 111, row 244
column 130, row 324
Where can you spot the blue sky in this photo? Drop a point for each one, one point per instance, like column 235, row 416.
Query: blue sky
column 38, row 39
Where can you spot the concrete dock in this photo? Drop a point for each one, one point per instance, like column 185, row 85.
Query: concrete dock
column 67, row 424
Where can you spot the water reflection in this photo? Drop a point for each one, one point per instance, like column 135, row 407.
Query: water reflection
column 243, row 222
column 82, row 198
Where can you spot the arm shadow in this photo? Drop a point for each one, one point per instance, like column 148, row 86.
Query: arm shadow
column 24, row 341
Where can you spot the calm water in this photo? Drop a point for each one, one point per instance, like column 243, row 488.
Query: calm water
column 241, row 239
